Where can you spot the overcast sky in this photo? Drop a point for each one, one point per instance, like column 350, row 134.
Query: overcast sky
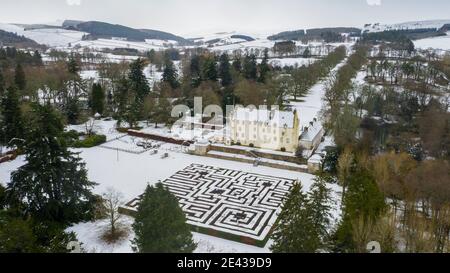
column 186, row 17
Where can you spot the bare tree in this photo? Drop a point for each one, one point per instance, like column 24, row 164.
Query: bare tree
column 112, row 200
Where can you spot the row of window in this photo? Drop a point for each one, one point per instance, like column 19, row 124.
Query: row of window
column 266, row 139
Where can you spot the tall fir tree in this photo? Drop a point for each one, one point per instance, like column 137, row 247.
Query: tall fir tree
column 11, row 125
column 237, row 64
column 295, row 231
column 97, row 99
column 195, row 71
column 250, row 69
column 72, row 65
column 2, row 83
column 363, row 201
column 210, row 69
column 137, row 81
column 170, row 74
column 19, row 77
column 53, row 181
column 264, row 67
column 37, row 58
column 321, row 204
column 225, row 70
column 160, row 224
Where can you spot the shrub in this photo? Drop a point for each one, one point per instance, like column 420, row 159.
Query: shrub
column 90, row 141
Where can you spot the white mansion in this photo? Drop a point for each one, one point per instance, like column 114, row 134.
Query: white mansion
column 266, row 129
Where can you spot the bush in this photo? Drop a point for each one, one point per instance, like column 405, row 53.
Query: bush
column 90, row 141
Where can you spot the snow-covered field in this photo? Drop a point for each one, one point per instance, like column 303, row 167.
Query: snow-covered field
column 436, row 24
column 111, row 44
column 89, row 234
column 129, row 173
column 49, row 37
column 442, row 42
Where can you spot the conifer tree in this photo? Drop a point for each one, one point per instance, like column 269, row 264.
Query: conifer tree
column 237, row 64
column 170, row 74
column 2, row 83
column 362, row 202
column 11, row 124
column 160, row 224
column 137, row 81
column 295, row 231
column 249, row 68
column 19, row 77
column 320, row 204
column 98, row 99
column 225, row 70
column 264, row 67
column 210, row 69
column 53, row 181
column 72, row 65
column 16, row 235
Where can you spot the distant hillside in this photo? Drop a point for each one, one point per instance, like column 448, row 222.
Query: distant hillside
column 160, row 35
column 12, row 39
column 105, row 30
column 327, row 34
column 430, row 24
column 243, row 37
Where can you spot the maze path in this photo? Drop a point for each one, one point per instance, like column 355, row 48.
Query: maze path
column 230, row 201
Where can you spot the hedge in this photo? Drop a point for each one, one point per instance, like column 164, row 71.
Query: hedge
column 90, row 141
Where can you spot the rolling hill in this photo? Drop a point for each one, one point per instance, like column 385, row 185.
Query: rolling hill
column 12, row 39
column 102, row 30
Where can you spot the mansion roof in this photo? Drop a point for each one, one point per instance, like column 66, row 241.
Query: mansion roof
column 274, row 118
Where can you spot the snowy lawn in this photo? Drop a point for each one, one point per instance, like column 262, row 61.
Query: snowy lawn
column 130, row 173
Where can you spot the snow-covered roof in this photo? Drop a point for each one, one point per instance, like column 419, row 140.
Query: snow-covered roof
column 310, row 132
column 275, row 118
column 316, row 158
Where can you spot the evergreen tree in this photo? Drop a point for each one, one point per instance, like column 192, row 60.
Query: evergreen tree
column 137, row 80
column 98, row 99
column 2, row 83
column 37, row 58
column 170, row 74
column 72, row 110
column 2, row 197
column 19, row 78
column 160, row 224
column 53, row 181
column 250, row 69
column 264, row 67
column 237, row 64
column 195, row 67
column 12, row 123
column 72, row 65
column 295, row 231
column 121, row 99
column 16, row 235
column 363, row 201
column 225, row 70
column 210, row 69
column 320, row 205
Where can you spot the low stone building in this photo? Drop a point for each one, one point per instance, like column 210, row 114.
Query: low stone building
column 312, row 136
